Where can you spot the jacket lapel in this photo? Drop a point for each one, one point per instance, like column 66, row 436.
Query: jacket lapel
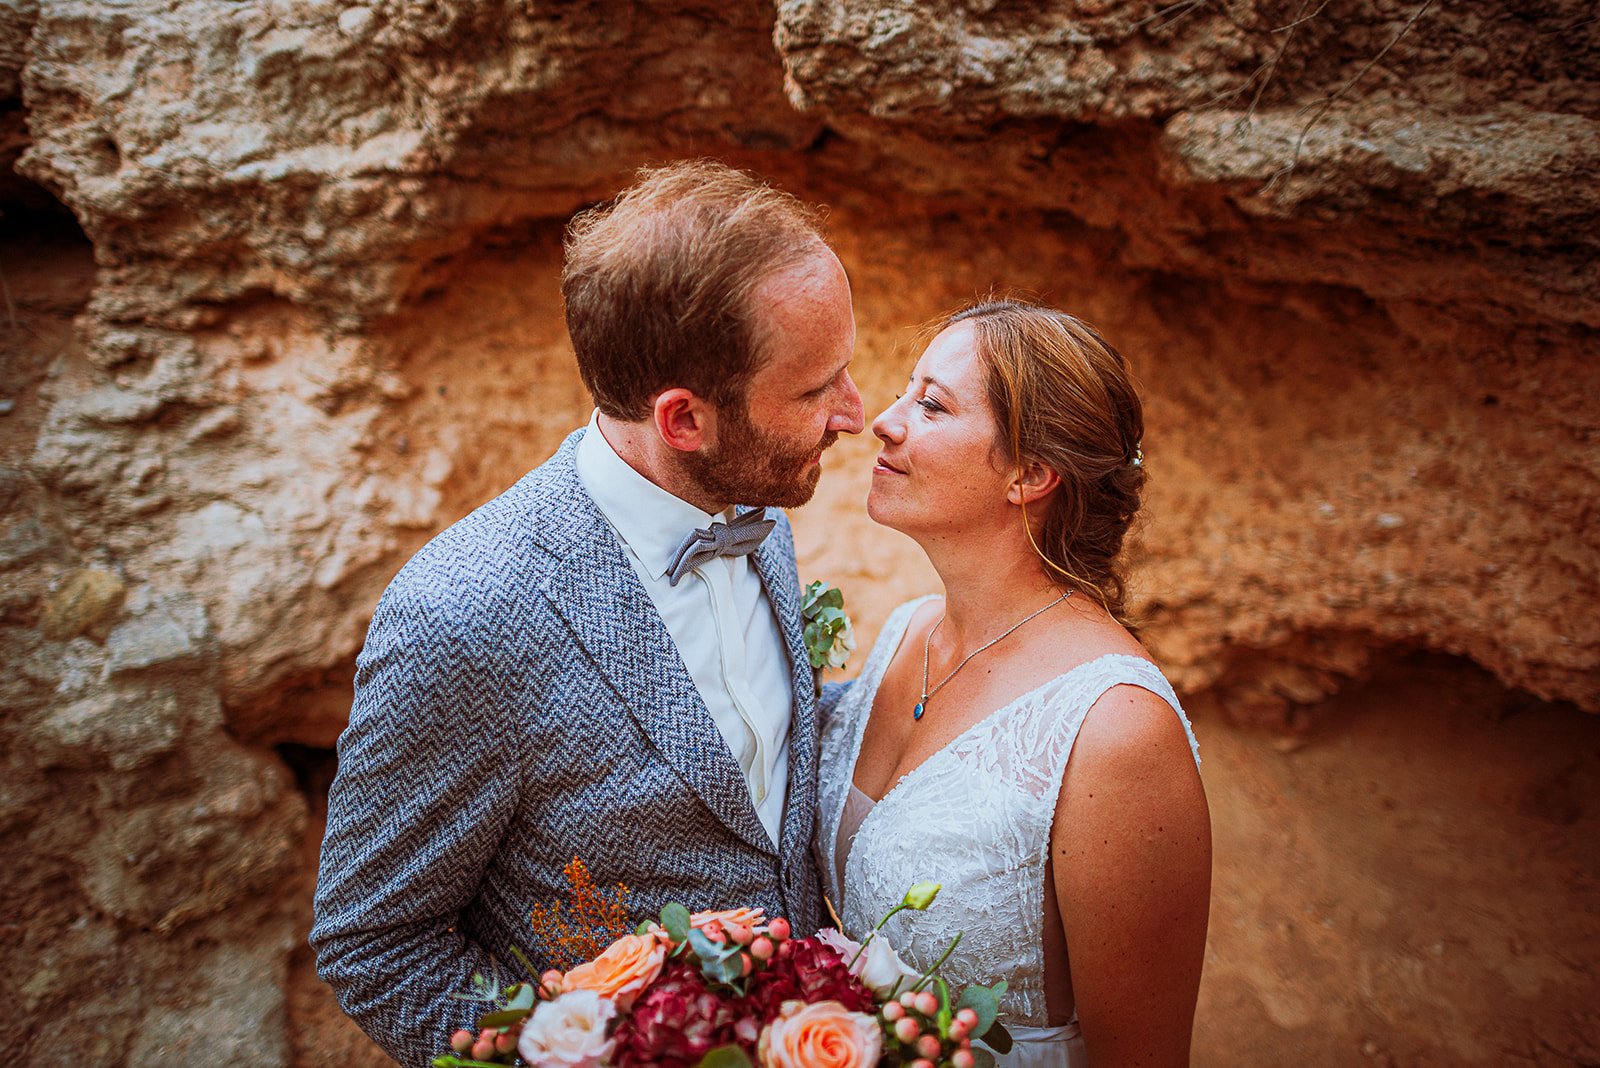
column 775, row 564
column 597, row 592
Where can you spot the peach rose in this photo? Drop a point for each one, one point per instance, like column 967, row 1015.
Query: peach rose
column 754, row 919
column 628, row 965
column 823, row 1035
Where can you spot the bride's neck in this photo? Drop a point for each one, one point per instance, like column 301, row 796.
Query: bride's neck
column 987, row 591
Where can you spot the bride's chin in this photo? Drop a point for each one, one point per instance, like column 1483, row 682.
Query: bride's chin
column 880, row 511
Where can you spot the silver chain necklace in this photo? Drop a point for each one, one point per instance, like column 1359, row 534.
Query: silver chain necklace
column 922, row 705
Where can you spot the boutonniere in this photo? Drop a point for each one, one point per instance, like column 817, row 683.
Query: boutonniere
column 829, row 637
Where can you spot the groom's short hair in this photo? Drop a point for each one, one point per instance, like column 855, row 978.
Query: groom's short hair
column 658, row 282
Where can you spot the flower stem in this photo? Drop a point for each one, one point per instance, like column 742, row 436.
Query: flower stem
column 865, row 942
column 951, row 948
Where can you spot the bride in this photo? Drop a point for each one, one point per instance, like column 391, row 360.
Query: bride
column 1012, row 740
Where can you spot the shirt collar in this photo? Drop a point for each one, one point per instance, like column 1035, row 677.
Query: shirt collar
column 651, row 522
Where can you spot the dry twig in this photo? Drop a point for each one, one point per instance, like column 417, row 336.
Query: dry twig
column 583, row 931
column 1329, row 100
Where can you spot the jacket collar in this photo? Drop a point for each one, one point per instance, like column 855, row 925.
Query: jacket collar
column 596, row 591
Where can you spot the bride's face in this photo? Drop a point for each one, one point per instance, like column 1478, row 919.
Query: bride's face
column 941, row 466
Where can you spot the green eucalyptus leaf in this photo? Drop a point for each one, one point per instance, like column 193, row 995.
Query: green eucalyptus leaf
column 726, row 1057
column 708, row 950
column 503, row 1018
column 714, row 971
column 703, row 947
column 998, row 1039
column 675, row 921
column 730, row 968
column 981, row 1000
column 523, row 995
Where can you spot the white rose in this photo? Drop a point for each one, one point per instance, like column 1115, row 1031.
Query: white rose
column 569, row 1032
column 849, row 950
column 844, row 643
column 883, row 968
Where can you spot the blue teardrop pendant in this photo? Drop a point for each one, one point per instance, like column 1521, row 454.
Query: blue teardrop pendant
column 916, row 713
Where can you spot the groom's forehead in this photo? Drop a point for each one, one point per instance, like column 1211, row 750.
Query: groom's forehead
column 802, row 322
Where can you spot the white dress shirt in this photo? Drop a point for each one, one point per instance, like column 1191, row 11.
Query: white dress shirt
column 718, row 615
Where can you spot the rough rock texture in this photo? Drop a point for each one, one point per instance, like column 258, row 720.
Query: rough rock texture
column 304, row 313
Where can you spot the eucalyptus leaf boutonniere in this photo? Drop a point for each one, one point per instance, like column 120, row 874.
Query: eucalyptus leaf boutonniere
column 828, row 635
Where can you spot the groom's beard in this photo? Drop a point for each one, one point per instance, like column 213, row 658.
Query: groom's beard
column 750, row 466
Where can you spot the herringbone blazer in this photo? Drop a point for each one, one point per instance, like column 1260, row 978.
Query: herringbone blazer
column 519, row 702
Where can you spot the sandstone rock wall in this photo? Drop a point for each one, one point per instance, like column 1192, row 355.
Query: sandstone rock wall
column 303, row 313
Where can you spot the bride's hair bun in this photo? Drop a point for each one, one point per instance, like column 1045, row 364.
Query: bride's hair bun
column 1062, row 395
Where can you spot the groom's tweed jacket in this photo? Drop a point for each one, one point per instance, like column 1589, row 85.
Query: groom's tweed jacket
column 519, row 702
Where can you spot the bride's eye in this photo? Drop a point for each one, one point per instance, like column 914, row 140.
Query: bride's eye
column 929, row 405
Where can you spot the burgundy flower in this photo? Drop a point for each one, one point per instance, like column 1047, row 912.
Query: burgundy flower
column 808, row 970
column 678, row 1019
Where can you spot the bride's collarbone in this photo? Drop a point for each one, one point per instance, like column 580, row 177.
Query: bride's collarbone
column 895, row 743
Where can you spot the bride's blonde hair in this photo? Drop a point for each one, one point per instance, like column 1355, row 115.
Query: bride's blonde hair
column 1064, row 397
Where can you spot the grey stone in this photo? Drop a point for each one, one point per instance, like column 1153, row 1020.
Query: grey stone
column 125, row 731
column 167, row 634
column 23, row 540
column 237, row 1015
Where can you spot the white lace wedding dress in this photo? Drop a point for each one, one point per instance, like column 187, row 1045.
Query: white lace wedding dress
column 975, row 817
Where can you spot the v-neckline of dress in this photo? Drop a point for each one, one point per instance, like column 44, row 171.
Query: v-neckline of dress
column 861, row 727
column 936, row 754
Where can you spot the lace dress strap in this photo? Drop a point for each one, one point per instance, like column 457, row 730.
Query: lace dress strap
column 1081, row 688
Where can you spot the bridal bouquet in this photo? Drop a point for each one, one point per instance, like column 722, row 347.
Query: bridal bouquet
column 733, row 989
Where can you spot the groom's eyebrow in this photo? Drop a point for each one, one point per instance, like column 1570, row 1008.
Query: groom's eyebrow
column 837, row 371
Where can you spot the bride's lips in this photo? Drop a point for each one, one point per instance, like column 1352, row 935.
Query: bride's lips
column 886, row 467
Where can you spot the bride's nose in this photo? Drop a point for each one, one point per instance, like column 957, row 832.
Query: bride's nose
column 890, row 425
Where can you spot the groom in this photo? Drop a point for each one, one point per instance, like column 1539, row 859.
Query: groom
column 573, row 670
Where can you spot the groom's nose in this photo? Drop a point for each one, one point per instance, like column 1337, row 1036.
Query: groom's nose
column 850, row 416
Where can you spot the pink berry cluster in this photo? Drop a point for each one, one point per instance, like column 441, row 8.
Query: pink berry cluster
column 926, row 1033
column 498, row 1045
column 490, row 1044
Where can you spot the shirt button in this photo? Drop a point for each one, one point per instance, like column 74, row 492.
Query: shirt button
column 761, row 794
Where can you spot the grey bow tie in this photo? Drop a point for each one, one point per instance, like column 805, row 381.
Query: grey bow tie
column 739, row 538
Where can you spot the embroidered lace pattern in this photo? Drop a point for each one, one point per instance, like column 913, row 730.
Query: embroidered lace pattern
column 975, row 816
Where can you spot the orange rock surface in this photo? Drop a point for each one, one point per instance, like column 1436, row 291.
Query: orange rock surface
column 280, row 301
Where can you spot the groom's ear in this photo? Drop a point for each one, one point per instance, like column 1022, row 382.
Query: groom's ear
column 684, row 421
column 1033, row 482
